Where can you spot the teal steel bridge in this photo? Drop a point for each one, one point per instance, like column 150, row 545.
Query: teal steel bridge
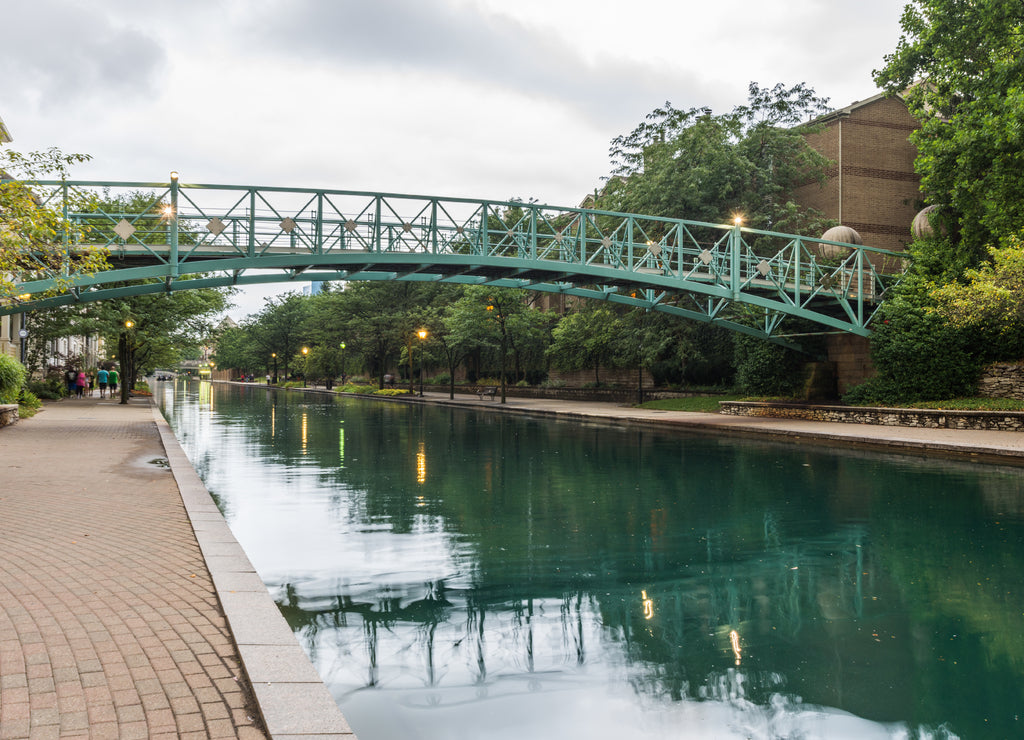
column 197, row 236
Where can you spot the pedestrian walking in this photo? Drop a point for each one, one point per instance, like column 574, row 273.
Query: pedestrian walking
column 102, row 379
column 70, row 380
column 112, row 378
column 81, row 381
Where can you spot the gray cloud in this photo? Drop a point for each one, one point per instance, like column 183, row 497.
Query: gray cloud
column 57, row 53
column 435, row 38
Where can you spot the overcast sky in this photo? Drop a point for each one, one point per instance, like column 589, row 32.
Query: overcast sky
column 471, row 98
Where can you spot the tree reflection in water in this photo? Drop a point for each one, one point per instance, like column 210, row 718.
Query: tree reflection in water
column 518, row 572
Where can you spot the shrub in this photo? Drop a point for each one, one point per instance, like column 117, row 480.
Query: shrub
column 766, row 369
column 442, row 379
column 28, row 404
column 12, row 378
column 391, row 392
column 51, row 388
column 357, row 388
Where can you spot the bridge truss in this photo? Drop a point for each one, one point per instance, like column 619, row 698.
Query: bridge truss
column 186, row 236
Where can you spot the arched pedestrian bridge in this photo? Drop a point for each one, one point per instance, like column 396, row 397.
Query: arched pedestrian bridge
column 184, row 236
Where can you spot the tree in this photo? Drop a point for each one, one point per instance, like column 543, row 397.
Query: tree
column 35, row 238
column 152, row 330
column 280, row 328
column 958, row 64
column 588, row 338
column 990, row 302
column 694, row 165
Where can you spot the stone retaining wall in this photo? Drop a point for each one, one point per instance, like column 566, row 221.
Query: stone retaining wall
column 8, row 414
column 1002, row 380
column 1004, row 421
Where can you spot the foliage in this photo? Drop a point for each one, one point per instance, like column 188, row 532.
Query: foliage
column 917, row 353
column 391, row 392
column 958, row 65
column 972, row 404
column 694, row 165
column 33, row 236
column 161, row 326
column 12, row 378
column 766, row 369
column 990, row 302
column 358, row 388
column 279, row 328
column 51, row 388
column 588, row 338
column 28, row 404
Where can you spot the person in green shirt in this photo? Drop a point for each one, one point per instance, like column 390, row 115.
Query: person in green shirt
column 112, row 378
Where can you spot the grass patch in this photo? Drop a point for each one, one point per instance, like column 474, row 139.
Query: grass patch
column 700, row 404
column 971, row 404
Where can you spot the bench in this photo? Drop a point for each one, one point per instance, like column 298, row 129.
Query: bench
column 489, row 391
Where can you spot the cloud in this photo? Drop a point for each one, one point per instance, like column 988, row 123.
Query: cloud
column 463, row 42
column 58, row 53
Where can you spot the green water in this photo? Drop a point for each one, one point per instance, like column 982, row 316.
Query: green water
column 459, row 574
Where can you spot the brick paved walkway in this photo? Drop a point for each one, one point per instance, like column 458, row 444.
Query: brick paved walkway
column 109, row 622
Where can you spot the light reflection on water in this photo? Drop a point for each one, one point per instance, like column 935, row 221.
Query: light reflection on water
column 454, row 574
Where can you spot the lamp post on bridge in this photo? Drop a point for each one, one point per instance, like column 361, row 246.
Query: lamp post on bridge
column 274, row 356
column 342, row 346
column 305, row 365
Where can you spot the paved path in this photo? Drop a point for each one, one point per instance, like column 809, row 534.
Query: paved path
column 125, row 603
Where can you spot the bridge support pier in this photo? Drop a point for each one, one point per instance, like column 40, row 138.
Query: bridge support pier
column 851, row 356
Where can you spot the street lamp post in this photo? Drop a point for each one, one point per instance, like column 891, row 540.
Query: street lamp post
column 305, row 365
column 274, row 355
column 422, row 334
column 124, row 351
column 342, row 345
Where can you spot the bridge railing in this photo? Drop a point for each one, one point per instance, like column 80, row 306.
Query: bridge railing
column 191, row 228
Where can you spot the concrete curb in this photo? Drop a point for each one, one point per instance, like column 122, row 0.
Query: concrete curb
column 292, row 698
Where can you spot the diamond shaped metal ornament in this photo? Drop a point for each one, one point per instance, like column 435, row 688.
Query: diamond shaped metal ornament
column 705, row 257
column 654, row 249
column 124, row 229
column 350, row 225
column 764, row 268
column 288, row 225
column 215, row 226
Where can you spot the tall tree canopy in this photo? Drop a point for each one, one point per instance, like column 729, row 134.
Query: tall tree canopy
column 960, row 65
column 695, row 165
column 32, row 235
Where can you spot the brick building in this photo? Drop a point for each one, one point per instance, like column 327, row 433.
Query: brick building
column 871, row 186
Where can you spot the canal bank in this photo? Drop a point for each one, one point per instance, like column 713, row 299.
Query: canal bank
column 127, row 608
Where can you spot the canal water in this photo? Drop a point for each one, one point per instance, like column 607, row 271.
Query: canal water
column 458, row 574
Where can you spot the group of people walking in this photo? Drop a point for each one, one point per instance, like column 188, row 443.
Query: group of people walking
column 79, row 383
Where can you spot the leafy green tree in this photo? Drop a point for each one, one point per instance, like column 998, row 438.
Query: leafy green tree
column 152, row 330
column 34, row 237
column 280, row 328
column 237, row 349
column 958, row 64
column 694, row 165
column 990, row 303
column 588, row 338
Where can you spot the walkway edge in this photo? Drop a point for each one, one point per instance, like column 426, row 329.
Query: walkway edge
column 293, row 700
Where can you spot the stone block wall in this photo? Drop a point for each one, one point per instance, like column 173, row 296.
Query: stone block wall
column 8, row 414
column 1003, row 421
column 1002, row 380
